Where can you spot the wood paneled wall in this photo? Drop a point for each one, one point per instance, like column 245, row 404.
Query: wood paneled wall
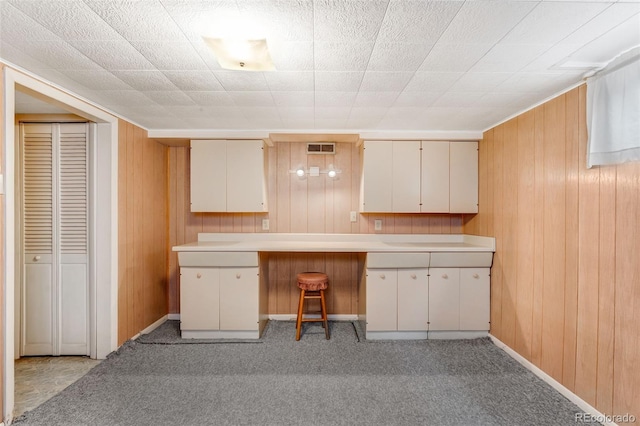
column 142, row 228
column 565, row 284
column 311, row 205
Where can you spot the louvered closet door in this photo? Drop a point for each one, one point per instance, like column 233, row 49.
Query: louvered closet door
column 55, row 239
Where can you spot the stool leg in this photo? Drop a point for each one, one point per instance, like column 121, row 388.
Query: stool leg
column 299, row 320
column 323, row 307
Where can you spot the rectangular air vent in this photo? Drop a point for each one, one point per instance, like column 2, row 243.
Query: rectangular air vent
column 321, row 148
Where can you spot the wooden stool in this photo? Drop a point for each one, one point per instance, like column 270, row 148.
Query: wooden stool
column 312, row 286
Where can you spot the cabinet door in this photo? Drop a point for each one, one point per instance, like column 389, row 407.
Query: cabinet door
column 199, row 298
column 463, row 177
column 444, row 299
column 239, row 298
column 377, row 177
column 474, row 298
column 382, row 299
column 208, row 176
column 406, row 177
column 413, row 299
column 245, row 176
column 435, row 177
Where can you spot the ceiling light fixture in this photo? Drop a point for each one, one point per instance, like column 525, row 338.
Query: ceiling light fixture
column 301, row 172
column 238, row 54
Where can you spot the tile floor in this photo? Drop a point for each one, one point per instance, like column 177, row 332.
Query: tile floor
column 40, row 378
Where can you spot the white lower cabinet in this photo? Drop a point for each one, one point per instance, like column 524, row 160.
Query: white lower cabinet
column 397, row 300
column 459, row 299
column 219, row 302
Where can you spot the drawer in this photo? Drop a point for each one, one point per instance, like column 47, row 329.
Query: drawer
column 217, row 258
column 397, row 260
column 461, row 259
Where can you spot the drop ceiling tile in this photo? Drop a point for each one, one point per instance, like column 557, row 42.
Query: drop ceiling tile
column 298, row 123
column 453, row 57
column 400, row 57
column 242, row 81
column 206, row 54
column 252, row 99
column 286, row 20
column 294, row 99
column 290, row 81
column 362, row 123
column 550, row 22
column 210, row 98
column 375, row 81
column 335, row 99
column 262, row 118
column 22, row 26
column 417, row 21
column 69, row 19
column 505, row 100
column 146, row 80
column 368, row 112
column 113, row 55
column 168, row 98
column 57, row 54
column 342, row 56
column 296, row 113
column 208, row 113
column 413, row 99
column 457, row 99
column 432, row 81
column 549, row 59
column 170, row 55
column 400, row 118
column 203, row 17
column 547, row 83
column 332, row 112
column 479, row 81
column 618, row 40
column 331, row 123
column 611, row 17
column 291, row 55
column 137, row 20
column 97, row 79
column 123, row 98
column 345, row 81
column 19, row 57
column 485, row 22
column 378, row 99
column 509, row 57
column 348, row 20
column 193, row 80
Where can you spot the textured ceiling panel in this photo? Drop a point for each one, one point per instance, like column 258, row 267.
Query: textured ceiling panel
column 341, row 64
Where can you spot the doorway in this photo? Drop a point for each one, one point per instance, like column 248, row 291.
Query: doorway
column 103, row 198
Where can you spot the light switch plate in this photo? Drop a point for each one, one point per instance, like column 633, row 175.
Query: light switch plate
column 265, row 224
column 353, row 217
column 1, row 184
column 377, row 224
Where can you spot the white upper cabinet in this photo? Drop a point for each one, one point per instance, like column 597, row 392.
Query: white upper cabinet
column 227, row 176
column 435, row 177
column 377, row 177
column 419, row 177
column 463, row 183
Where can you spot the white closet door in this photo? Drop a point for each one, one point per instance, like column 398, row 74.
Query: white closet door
column 37, row 224
column 73, row 225
column 55, row 239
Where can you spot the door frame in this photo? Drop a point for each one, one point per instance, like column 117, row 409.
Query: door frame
column 103, row 320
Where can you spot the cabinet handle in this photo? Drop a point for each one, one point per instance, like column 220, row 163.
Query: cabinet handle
column 199, row 276
column 382, row 276
column 445, row 276
column 413, row 276
column 36, row 258
column 476, row 276
column 238, row 276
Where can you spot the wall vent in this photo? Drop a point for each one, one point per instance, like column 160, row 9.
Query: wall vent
column 321, row 148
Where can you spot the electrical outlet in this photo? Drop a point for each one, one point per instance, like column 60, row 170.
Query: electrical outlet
column 377, row 224
column 265, row 224
column 353, row 217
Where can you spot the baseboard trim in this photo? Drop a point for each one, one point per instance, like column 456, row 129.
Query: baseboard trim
column 173, row 317
column 581, row 403
column 151, row 327
column 330, row 317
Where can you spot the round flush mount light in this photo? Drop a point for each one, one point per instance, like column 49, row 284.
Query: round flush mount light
column 300, row 172
column 331, row 173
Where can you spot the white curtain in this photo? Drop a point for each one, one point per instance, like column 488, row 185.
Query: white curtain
column 613, row 112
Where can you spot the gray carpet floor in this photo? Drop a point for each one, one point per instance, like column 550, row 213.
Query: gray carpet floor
column 347, row 380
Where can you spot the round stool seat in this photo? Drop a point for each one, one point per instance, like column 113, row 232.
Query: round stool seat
column 313, row 281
